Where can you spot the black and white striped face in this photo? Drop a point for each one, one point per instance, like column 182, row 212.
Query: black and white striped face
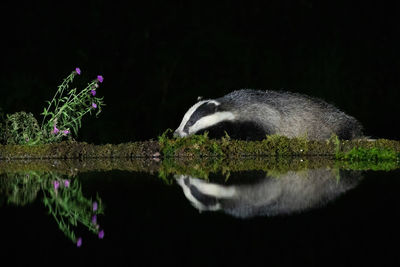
column 202, row 115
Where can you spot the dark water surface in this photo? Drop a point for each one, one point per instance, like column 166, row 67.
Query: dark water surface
column 331, row 221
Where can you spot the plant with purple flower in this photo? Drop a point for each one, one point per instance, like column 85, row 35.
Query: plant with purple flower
column 56, row 184
column 67, row 108
column 68, row 206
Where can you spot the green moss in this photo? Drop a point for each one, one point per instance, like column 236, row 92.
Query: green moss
column 336, row 142
column 192, row 146
column 368, row 154
column 284, row 146
column 198, row 146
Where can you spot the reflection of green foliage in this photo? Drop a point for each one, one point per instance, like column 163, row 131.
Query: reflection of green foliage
column 20, row 188
column 65, row 200
column 22, row 128
column 197, row 168
column 274, row 165
column 203, row 167
column 68, row 206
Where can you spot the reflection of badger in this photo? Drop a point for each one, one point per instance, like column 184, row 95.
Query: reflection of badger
column 250, row 114
column 284, row 194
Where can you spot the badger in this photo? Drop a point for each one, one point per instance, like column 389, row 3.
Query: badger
column 282, row 194
column 252, row 114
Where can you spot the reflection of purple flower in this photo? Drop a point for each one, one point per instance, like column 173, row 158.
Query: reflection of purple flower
column 94, row 219
column 95, row 206
column 56, row 184
column 93, row 92
column 100, row 78
column 79, row 242
column 94, row 105
column 78, row 71
column 101, row 234
column 66, row 183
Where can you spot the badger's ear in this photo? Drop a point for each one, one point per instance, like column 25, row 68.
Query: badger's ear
column 199, row 98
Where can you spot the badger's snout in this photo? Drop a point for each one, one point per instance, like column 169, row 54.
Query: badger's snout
column 179, row 133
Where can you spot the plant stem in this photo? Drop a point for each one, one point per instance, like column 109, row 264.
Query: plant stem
column 60, row 91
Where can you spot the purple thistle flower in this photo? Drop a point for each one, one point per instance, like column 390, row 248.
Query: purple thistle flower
column 78, row 71
column 56, row 185
column 79, row 242
column 93, row 92
column 94, row 105
column 95, row 206
column 101, row 234
column 55, row 130
column 94, row 219
column 100, row 78
column 66, row 183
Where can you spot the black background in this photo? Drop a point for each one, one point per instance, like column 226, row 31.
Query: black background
column 158, row 56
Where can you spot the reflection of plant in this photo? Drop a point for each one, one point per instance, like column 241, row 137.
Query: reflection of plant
column 63, row 197
column 20, row 188
column 68, row 206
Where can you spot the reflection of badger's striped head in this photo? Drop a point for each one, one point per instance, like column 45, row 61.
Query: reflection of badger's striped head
column 202, row 115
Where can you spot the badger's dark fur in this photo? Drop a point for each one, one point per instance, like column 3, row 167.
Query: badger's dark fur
column 250, row 114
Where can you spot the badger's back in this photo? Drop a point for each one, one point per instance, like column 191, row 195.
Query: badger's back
column 291, row 114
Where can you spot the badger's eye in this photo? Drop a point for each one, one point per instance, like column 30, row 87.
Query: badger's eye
column 204, row 110
column 212, row 107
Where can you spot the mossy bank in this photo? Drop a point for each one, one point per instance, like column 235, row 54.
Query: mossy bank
column 201, row 146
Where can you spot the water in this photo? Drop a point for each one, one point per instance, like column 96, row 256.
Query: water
column 316, row 217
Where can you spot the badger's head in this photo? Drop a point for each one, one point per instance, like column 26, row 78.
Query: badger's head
column 202, row 116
